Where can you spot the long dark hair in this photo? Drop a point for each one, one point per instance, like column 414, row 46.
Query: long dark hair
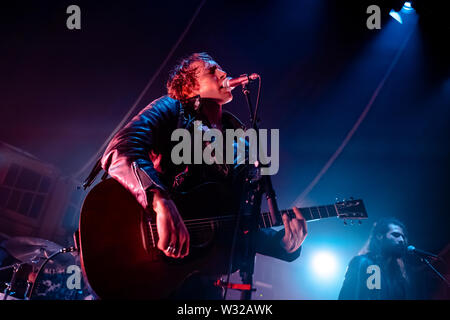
column 373, row 246
column 381, row 227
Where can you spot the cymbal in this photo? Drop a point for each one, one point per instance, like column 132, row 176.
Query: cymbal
column 28, row 249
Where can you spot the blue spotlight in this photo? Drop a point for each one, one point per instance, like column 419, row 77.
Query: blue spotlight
column 407, row 8
column 396, row 16
column 324, row 264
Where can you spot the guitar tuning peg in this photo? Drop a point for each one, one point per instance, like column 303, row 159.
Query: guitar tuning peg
column 351, row 222
column 345, row 223
column 359, row 222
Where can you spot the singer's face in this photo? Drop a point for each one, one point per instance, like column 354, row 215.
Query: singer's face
column 395, row 240
column 210, row 78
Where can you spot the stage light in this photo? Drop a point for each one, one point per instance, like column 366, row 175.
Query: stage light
column 407, row 8
column 396, row 16
column 324, row 264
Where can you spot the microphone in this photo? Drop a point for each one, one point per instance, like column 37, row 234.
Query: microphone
column 421, row 253
column 231, row 83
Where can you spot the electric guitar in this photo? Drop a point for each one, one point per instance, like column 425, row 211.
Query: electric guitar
column 118, row 239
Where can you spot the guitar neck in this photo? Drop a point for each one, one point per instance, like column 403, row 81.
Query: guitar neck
column 309, row 213
column 353, row 209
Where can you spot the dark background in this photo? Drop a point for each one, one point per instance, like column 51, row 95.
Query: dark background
column 63, row 92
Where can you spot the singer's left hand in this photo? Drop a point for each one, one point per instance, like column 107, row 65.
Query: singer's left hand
column 295, row 231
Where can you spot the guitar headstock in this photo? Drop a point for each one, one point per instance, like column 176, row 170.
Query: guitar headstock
column 351, row 209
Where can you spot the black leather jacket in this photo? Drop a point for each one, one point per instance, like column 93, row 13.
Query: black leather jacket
column 139, row 157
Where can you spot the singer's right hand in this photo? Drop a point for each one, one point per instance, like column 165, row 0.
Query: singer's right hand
column 172, row 232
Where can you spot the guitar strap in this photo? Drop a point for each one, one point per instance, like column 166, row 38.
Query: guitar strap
column 93, row 174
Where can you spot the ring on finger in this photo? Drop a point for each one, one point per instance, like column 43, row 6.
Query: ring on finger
column 171, row 249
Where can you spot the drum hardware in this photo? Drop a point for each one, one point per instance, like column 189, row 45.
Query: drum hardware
column 10, row 285
column 29, row 251
column 41, row 268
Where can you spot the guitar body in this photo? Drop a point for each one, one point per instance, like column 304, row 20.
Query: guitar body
column 118, row 245
column 118, row 238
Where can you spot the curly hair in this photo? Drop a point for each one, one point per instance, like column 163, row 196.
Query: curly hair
column 183, row 78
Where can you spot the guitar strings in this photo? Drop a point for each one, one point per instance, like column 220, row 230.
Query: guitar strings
column 205, row 223
column 218, row 219
column 200, row 224
column 265, row 215
column 208, row 221
column 194, row 227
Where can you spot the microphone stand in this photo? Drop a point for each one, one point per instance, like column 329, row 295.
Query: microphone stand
column 252, row 209
column 435, row 271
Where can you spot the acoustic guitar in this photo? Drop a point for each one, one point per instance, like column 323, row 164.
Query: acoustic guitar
column 118, row 239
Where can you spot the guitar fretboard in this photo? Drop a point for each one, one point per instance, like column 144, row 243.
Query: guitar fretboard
column 309, row 213
column 266, row 219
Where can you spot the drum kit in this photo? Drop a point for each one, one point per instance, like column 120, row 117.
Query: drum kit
column 42, row 270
